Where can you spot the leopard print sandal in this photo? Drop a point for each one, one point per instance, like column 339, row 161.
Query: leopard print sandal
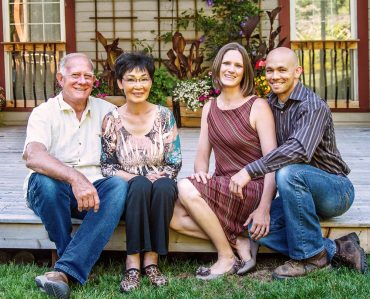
column 155, row 276
column 131, row 280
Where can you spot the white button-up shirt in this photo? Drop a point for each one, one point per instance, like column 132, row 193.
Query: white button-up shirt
column 73, row 142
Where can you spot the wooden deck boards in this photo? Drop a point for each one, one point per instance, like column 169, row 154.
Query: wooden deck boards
column 20, row 228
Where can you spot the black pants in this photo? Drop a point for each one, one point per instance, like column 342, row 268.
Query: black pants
column 149, row 209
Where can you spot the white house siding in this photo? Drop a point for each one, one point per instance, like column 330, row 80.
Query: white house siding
column 145, row 11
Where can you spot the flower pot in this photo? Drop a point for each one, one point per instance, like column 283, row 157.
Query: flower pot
column 116, row 100
column 189, row 119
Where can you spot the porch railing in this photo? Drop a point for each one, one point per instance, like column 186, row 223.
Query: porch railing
column 33, row 68
column 330, row 69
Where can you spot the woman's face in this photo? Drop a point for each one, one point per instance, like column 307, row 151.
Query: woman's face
column 136, row 85
column 232, row 69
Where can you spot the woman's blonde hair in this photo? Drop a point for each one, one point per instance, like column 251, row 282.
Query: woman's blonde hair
column 247, row 84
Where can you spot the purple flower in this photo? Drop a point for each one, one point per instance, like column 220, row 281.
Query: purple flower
column 209, row 2
column 240, row 33
column 202, row 39
column 243, row 23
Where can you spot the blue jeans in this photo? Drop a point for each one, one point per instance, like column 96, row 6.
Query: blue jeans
column 306, row 195
column 53, row 201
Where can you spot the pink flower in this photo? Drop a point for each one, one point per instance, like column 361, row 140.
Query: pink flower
column 202, row 98
column 260, row 63
column 101, row 95
column 97, row 83
column 217, row 91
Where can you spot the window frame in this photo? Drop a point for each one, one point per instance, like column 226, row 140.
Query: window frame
column 362, row 26
column 7, row 60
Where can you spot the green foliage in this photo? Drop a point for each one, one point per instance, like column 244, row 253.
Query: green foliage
column 143, row 46
column 223, row 25
column 18, row 282
column 162, row 86
column 101, row 87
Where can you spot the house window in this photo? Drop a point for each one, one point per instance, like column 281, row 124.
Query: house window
column 34, row 42
column 323, row 20
column 35, row 21
column 324, row 35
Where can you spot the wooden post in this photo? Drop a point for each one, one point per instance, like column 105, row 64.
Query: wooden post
column 54, row 257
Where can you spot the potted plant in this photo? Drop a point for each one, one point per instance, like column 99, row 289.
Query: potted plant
column 192, row 94
column 260, row 83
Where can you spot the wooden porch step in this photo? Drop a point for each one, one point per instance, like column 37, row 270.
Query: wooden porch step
column 21, row 228
column 26, row 231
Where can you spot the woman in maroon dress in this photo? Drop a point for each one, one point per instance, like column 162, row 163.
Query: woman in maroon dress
column 239, row 128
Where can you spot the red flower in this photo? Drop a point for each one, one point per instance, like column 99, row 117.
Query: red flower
column 260, row 63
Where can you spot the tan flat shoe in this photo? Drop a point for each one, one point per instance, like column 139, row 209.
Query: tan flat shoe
column 204, row 273
column 250, row 265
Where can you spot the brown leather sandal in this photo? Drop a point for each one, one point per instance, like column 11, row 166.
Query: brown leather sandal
column 155, row 276
column 131, row 280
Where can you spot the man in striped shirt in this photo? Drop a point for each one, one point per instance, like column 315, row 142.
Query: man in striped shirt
column 311, row 177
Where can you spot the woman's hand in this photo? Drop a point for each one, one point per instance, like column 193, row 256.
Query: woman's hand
column 201, row 176
column 155, row 176
column 260, row 218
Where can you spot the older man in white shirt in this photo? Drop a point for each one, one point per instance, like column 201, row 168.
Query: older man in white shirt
column 63, row 149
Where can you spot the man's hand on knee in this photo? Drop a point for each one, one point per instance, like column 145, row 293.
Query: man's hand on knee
column 86, row 195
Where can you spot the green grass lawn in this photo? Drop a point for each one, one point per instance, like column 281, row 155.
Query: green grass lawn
column 17, row 281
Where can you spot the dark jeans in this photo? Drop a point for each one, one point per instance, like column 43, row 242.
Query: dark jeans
column 149, row 209
column 306, row 195
column 53, row 201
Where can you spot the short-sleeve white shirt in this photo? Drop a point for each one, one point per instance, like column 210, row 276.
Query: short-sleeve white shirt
column 75, row 143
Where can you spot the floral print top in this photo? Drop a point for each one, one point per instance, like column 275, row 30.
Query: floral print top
column 157, row 151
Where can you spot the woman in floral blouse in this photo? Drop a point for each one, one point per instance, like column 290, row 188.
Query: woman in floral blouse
column 141, row 144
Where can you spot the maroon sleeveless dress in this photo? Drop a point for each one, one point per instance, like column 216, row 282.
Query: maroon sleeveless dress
column 235, row 144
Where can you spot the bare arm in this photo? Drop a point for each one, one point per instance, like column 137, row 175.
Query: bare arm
column 38, row 159
column 262, row 119
column 201, row 164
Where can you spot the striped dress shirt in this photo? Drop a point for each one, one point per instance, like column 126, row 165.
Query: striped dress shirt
column 305, row 134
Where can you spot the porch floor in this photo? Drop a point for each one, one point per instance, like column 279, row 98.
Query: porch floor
column 20, row 228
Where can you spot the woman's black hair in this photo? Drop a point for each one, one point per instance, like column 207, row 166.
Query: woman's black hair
column 129, row 61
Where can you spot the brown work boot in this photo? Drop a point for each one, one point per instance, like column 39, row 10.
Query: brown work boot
column 294, row 268
column 350, row 254
column 54, row 284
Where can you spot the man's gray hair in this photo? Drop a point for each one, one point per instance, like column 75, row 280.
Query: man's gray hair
column 65, row 59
